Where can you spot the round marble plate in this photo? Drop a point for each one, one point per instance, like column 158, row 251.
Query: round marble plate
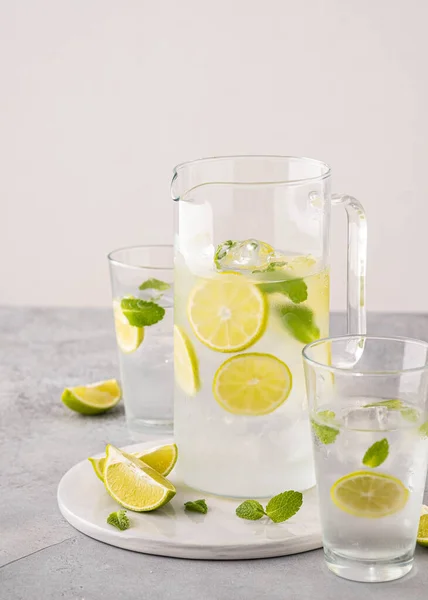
column 171, row 531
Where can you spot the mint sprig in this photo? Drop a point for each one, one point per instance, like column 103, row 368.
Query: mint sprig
column 199, row 506
column 325, row 433
column 376, row 454
column 423, row 429
column 280, row 508
column 141, row 313
column 299, row 321
column 155, row 284
column 118, row 519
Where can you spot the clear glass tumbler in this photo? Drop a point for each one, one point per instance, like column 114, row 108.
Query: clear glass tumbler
column 368, row 408
column 142, row 287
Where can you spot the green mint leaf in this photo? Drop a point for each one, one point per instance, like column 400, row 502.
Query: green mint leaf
column 272, row 266
column 141, row 313
column 376, row 454
column 327, row 415
column 118, row 519
column 251, row 510
column 391, row 404
column 423, row 429
column 325, row 433
column 299, row 321
column 155, row 284
column 295, row 289
column 196, row 506
column 410, row 414
column 222, row 250
column 283, row 506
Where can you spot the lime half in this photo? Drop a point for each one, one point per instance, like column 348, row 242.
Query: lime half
column 133, row 484
column 423, row 527
column 92, row 399
column 369, row 495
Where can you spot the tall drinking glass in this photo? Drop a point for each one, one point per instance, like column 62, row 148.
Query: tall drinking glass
column 142, row 287
column 368, row 409
column 252, row 281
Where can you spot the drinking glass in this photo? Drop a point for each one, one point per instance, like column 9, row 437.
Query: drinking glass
column 368, row 410
column 142, row 287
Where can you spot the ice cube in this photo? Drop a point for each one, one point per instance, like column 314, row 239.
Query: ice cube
column 247, row 255
column 371, row 418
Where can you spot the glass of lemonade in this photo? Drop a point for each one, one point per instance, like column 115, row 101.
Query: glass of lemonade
column 142, row 287
column 368, row 409
column 251, row 289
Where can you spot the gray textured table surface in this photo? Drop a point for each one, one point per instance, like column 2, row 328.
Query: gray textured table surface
column 44, row 558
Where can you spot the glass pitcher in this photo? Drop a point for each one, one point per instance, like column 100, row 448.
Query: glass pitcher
column 252, row 262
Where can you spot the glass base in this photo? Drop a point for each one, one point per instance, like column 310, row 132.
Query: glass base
column 368, row 570
column 140, row 429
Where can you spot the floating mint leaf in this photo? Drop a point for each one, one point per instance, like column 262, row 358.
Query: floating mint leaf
column 325, row 433
column 141, row 313
column 423, row 429
column 222, row 250
column 196, row 506
column 118, row 519
column 327, row 415
column 251, row 510
column 410, row 414
column 376, row 454
column 295, row 289
column 272, row 266
column 299, row 320
column 155, row 284
column 392, row 404
column 283, row 506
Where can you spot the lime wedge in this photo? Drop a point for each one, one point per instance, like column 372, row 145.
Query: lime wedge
column 133, row 484
column 161, row 459
column 128, row 336
column 92, row 399
column 369, row 495
column 186, row 368
column 227, row 313
column 252, row 384
column 422, row 538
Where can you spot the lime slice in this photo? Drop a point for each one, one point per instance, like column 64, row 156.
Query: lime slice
column 133, row 484
column 423, row 527
column 369, row 495
column 92, row 399
column 128, row 337
column 252, row 384
column 161, row 459
column 186, row 367
column 227, row 313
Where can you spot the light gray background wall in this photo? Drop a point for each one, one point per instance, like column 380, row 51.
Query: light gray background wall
column 100, row 98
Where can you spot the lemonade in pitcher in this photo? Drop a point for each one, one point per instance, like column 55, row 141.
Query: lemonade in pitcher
column 240, row 416
column 251, row 289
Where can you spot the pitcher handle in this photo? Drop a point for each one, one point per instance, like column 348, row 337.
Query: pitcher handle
column 357, row 259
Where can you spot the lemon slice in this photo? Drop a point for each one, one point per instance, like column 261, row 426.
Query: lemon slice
column 423, row 527
column 161, row 459
column 92, row 399
column 128, row 337
column 252, row 384
column 133, row 484
column 186, row 366
column 369, row 495
column 227, row 313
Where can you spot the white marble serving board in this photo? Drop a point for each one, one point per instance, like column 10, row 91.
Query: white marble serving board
column 172, row 531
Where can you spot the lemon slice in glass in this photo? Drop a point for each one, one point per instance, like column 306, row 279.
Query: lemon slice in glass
column 252, row 384
column 369, row 495
column 186, row 368
column 133, row 484
column 227, row 313
column 92, row 399
column 128, row 336
column 161, row 459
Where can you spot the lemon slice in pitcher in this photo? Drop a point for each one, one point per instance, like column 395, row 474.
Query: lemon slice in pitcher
column 227, row 313
column 186, row 368
column 369, row 495
column 252, row 384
